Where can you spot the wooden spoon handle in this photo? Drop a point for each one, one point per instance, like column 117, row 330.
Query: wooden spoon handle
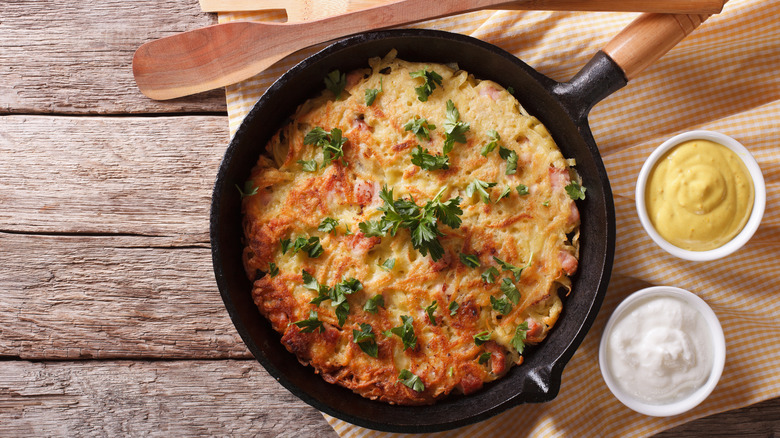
column 297, row 10
column 219, row 55
column 648, row 38
column 306, row 9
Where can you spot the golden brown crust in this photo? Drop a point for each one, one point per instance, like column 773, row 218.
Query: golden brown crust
column 535, row 231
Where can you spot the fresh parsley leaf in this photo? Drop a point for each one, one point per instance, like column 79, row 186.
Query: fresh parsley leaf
column 546, row 203
column 388, row 264
column 481, row 338
column 518, row 340
column 510, row 90
column 453, row 308
column 334, row 148
column 372, row 92
column 447, row 212
column 316, row 136
column 339, row 297
column 285, row 244
column 332, row 144
column 311, row 245
column 309, row 166
column 374, row 303
column 504, row 193
column 309, row 282
column 484, row 358
column 366, row 340
column 411, row 380
column 430, row 309
column 273, row 270
column 323, row 291
column 310, row 324
column 427, row 161
column 347, row 231
column 249, row 189
column 405, row 331
column 522, row 189
column 510, row 290
column 431, row 79
column 327, row 225
column 374, row 228
column 454, row 129
column 511, row 159
column 500, row 305
column 420, row 127
column 420, row 221
column 575, row 191
column 335, row 81
column 511, row 268
column 470, row 260
column 494, row 139
column 479, row 187
column 489, row 276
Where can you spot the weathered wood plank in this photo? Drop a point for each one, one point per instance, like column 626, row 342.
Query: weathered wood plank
column 76, row 57
column 66, row 297
column 130, row 175
column 214, row 398
column 761, row 420
column 170, row 398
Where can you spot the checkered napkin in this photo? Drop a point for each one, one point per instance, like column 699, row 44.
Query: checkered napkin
column 724, row 77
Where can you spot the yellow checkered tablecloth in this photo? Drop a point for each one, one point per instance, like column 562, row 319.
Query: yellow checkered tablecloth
column 724, row 77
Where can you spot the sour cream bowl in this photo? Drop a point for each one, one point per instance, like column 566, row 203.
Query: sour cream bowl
column 662, row 351
column 757, row 207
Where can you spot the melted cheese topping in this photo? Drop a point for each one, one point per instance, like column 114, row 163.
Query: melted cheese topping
column 538, row 229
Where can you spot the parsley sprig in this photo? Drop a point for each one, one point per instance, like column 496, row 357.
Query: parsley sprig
column 575, row 191
column 454, row 129
column 494, row 139
column 310, row 324
column 405, row 331
column 420, row 221
column 249, row 189
column 518, row 340
column 420, row 127
column 411, row 380
column 428, row 161
column 479, row 186
column 516, row 271
column 431, row 80
column 372, row 92
column 337, row 294
column 511, row 159
column 332, row 144
column 430, row 309
column 336, row 81
column 366, row 340
column 311, row 246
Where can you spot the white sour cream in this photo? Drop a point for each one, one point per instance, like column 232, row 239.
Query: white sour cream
column 661, row 350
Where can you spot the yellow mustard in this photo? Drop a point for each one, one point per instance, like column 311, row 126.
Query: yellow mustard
column 699, row 195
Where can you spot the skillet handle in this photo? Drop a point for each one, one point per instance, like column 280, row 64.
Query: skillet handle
column 648, row 38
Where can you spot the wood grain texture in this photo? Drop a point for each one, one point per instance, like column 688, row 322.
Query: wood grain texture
column 139, row 398
column 102, row 297
column 75, row 57
column 143, row 176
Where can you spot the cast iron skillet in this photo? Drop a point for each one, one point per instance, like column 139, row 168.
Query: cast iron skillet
column 561, row 107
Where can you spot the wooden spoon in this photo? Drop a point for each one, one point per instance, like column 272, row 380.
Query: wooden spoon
column 297, row 10
column 223, row 54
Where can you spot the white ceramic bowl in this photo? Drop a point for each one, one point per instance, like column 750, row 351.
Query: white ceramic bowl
column 718, row 350
column 759, row 203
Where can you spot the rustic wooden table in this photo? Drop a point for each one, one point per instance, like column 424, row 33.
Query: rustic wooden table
column 110, row 320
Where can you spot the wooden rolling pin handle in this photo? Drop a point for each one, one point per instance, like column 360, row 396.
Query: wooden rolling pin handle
column 648, row 38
